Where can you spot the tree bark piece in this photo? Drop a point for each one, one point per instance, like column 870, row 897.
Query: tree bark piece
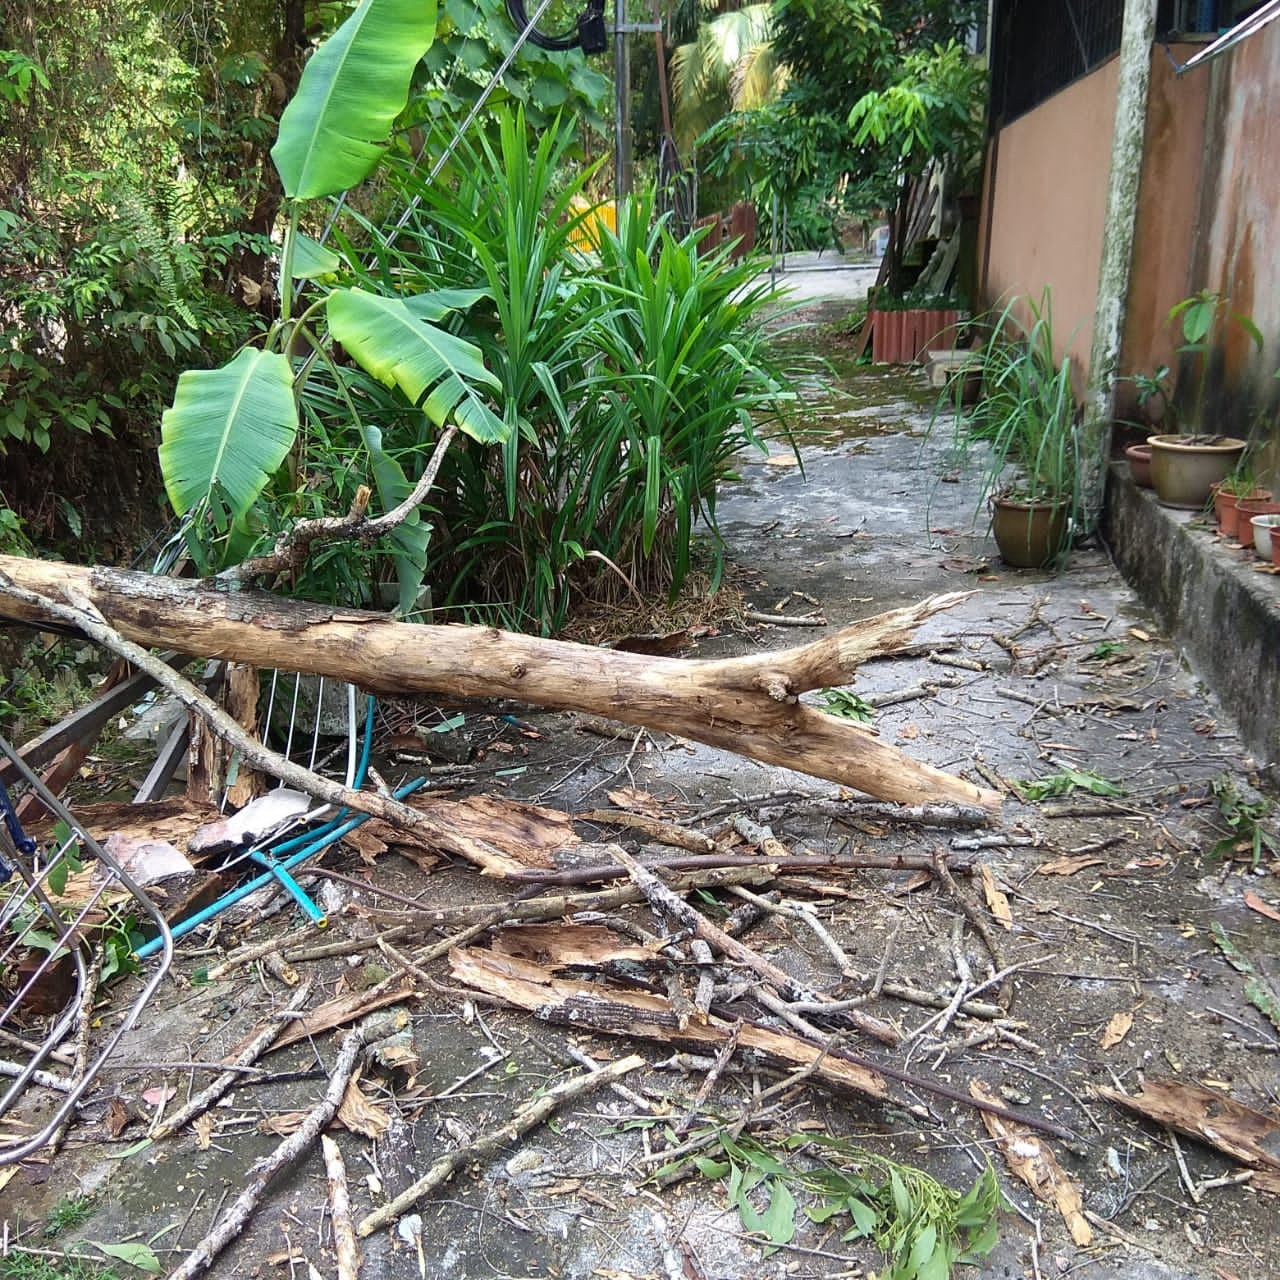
column 617, row 1012
column 748, row 705
column 345, row 1248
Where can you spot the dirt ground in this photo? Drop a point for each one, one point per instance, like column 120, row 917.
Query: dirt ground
column 1113, row 972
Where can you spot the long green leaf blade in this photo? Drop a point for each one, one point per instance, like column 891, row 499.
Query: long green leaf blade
column 334, row 130
column 401, row 350
column 230, row 427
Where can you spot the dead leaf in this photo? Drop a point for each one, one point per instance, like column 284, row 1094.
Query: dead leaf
column 908, row 731
column 1116, row 1030
column 1245, row 1135
column 204, row 1126
column 997, row 899
column 118, row 1117
column 636, row 801
column 283, row 1123
column 359, row 1114
column 1030, row 1160
column 158, row 1096
column 1262, row 908
column 1068, row 866
column 782, row 460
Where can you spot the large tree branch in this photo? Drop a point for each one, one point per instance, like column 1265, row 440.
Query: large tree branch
column 747, row 705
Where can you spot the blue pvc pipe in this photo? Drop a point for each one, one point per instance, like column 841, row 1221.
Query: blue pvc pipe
column 312, row 845
column 296, row 891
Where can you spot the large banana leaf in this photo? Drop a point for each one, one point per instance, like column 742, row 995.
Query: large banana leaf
column 398, row 348
column 229, row 427
column 355, row 85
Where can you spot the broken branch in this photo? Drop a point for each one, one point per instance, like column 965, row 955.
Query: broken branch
column 528, row 1117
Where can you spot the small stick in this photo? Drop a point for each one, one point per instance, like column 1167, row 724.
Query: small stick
column 345, row 1247
column 785, row 620
column 285, row 1155
column 913, row 692
column 950, row 660
column 727, row 1050
column 1192, row 1190
column 665, row 902
column 705, row 990
column 292, row 548
column 791, row 862
column 528, row 1117
column 232, row 1071
column 818, row 929
column 654, row 828
column 985, row 932
column 247, row 955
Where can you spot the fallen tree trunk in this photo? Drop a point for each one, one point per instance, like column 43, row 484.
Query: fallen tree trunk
column 746, row 705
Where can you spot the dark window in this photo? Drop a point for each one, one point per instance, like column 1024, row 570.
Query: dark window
column 1041, row 46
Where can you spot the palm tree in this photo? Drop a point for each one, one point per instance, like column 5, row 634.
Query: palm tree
column 728, row 65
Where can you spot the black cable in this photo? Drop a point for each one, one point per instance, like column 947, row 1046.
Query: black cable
column 589, row 36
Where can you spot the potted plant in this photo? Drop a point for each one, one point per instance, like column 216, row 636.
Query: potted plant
column 1025, row 431
column 1240, row 485
column 1152, row 396
column 1184, row 467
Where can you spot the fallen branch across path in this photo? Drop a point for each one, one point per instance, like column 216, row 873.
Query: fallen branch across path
column 749, row 705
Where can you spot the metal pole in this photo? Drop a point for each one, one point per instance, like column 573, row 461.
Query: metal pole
column 621, row 105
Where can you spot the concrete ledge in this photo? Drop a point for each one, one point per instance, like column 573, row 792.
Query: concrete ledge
column 1209, row 601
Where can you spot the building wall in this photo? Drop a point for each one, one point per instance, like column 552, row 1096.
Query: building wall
column 1168, row 204
column 1042, row 217
column 1236, row 245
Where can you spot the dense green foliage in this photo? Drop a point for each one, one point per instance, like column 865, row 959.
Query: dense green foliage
column 873, row 92
column 629, row 374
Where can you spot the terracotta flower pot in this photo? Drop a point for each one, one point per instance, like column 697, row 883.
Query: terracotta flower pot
column 1030, row 535
column 1246, row 509
column 1184, row 469
column 1139, row 456
column 1226, row 508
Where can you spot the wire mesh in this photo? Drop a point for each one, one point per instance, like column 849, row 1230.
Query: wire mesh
column 51, row 936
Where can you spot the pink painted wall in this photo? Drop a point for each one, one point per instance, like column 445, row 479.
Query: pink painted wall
column 1047, row 207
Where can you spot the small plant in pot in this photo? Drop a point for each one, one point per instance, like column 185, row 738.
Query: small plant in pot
column 1184, row 467
column 1240, row 485
column 1025, row 431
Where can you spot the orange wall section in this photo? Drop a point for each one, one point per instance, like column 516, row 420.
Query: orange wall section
column 1048, row 204
column 1168, row 199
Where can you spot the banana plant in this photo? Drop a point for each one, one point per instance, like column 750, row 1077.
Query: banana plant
column 229, row 430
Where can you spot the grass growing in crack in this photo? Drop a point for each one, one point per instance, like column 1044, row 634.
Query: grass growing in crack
column 67, row 1213
column 923, row 1227
column 31, row 1266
